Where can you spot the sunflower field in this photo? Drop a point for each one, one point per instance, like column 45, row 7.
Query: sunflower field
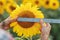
column 49, row 9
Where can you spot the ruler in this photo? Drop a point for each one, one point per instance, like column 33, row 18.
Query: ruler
column 38, row 20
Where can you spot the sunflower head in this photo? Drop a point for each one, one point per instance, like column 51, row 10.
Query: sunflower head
column 34, row 3
column 54, row 4
column 46, row 4
column 2, row 3
column 25, row 1
column 10, row 6
column 1, row 11
column 38, row 3
column 26, row 29
column 2, row 6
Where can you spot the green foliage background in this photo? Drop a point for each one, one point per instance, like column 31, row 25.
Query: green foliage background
column 53, row 14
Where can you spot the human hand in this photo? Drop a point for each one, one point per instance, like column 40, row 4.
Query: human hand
column 6, row 23
column 45, row 30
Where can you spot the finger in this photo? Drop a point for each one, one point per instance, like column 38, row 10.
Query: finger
column 6, row 27
column 42, row 23
column 48, row 25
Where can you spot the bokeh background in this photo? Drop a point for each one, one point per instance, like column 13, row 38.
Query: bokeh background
column 48, row 13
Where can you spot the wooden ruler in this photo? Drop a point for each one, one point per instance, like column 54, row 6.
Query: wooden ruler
column 38, row 20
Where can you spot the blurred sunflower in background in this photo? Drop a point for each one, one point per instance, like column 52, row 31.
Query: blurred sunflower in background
column 1, row 11
column 37, row 3
column 26, row 29
column 46, row 4
column 25, row 1
column 54, row 4
column 11, row 6
column 2, row 5
column 34, row 3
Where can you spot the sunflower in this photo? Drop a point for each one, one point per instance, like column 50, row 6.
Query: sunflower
column 54, row 4
column 1, row 11
column 2, row 5
column 25, row 1
column 11, row 6
column 34, row 3
column 59, row 4
column 38, row 3
column 26, row 29
column 46, row 4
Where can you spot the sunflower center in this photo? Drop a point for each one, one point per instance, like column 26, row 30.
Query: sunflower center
column 1, row 3
column 47, row 2
column 26, row 14
column 54, row 4
column 12, row 8
column 36, row 2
